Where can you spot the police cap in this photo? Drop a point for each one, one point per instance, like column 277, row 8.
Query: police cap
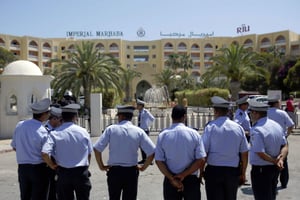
column 41, row 106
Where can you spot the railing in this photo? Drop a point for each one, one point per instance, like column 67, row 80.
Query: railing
column 196, row 120
column 162, row 121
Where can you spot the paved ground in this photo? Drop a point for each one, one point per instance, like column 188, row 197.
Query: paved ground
column 150, row 181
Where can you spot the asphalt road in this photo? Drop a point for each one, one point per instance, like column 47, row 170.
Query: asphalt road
column 150, row 181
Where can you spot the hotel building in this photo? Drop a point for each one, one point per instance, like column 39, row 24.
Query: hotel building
column 149, row 57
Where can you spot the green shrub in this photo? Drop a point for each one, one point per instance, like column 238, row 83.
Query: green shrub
column 201, row 97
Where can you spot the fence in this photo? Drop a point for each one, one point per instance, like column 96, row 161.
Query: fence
column 196, row 118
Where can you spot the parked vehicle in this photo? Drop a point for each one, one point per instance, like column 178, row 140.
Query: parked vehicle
column 259, row 98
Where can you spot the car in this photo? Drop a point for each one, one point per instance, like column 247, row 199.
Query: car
column 259, row 98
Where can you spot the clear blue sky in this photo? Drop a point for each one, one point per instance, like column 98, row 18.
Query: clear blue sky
column 53, row 18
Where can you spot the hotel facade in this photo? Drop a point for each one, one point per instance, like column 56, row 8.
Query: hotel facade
column 148, row 57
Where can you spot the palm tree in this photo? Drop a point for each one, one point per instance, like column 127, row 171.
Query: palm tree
column 292, row 79
column 86, row 69
column 185, row 81
column 6, row 57
column 185, row 62
column 235, row 64
column 173, row 62
column 127, row 77
column 165, row 78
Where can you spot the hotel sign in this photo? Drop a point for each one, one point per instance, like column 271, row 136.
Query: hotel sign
column 242, row 29
column 191, row 34
column 94, row 34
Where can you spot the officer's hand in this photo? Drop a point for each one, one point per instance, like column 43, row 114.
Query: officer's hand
column 279, row 164
column 177, row 184
column 105, row 168
column 242, row 180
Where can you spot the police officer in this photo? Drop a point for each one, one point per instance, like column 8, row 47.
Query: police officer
column 145, row 118
column 226, row 145
column 241, row 115
column 28, row 138
column 124, row 140
column 53, row 122
column 287, row 124
column 268, row 149
column 71, row 147
column 55, row 119
column 179, row 155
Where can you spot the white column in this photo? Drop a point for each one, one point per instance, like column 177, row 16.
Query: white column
column 96, row 114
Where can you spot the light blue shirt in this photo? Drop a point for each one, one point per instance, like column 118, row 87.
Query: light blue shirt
column 124, row 140
column 48, row 126
column 28, row 139
column 242, row 118
column 146, row 118
column 179, row 146
column 223, row 140
column 70, row 145
column 281, row 117
column 266, row 136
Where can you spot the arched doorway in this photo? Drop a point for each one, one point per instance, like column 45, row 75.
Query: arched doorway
column 141, row 88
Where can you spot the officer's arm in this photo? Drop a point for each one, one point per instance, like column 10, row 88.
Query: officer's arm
column 49, row 161
column 165, row 171
column 147, row 162
column 98, row 156
column 197, row 164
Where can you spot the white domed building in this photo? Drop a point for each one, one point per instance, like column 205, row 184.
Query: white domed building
column 21, row 83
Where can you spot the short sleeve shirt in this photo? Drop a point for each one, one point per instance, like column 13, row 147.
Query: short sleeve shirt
column 223, row 140
column 124, row 140
column 266, row 136
column 70, row 145
column 179, row 146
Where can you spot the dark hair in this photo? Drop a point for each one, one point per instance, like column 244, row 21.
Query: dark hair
column 272, row 104
column 221, row 111
column 39, row 115
column 127, row 116
column 68, row 116
column 178, row 112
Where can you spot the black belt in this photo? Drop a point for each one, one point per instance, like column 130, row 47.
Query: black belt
column 33, row 165
column 221, row 167
column 74, row 168
column 124, row 167
column 263, row 166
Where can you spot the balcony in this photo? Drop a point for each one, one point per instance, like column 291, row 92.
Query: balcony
column 280, row 42
column 14, row 47
column 195, row 58
column 47, row 49
column 182, row 49
column 265, row 44
column 295, row 52
column 208, row 49
column 113, row 49
column 33, row 48
column 33, row 58
column 168, row 49
column 194, row 49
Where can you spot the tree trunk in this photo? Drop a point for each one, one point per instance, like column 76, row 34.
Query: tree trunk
column 235, row 87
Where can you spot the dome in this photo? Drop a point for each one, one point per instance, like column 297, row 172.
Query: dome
column 22, row 67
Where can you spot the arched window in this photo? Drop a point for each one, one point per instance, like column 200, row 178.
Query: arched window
column 12, row 104
column 100, row 46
